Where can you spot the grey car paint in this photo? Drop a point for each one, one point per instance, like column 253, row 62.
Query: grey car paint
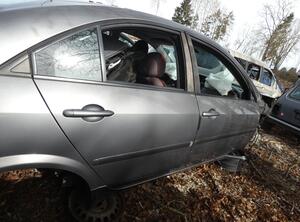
column 223, row 133
column 148, row 126
column 29, row 134
column 36, row 24
column 152, row 132
column 221, row 130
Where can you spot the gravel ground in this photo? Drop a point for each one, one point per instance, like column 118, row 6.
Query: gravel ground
column 266, row 189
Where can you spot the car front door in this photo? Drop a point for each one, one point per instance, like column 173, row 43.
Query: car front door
column 126, row 131
column 228, row 116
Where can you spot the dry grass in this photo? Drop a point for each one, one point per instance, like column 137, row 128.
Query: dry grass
column 267, row 189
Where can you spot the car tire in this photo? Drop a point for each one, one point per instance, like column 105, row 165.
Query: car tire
column 108, row 208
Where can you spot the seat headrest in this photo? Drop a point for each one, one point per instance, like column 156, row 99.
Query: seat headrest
column 140, row 46
column 153, row 65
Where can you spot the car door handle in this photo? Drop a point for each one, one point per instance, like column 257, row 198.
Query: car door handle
column 83, row 113
column 89, row 113
column 210, row 113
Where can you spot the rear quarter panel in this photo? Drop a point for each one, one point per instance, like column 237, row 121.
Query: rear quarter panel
column 29, row 135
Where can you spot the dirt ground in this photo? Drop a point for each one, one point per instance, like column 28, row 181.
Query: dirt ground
column 266, row 189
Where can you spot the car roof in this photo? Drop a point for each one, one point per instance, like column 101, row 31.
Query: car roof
column 249, row 59
column 27, row 24
column 24, row 25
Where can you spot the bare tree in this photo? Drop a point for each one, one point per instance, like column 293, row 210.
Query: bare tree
column 246, row 42
column 298, row 65
column 213, row 20
column 216, row 25
column 203, row 9
column 278, row 32
column 288, row 45
column 157, row 4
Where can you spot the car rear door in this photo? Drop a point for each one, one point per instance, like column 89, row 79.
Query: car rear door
column 126, row 132
column 228, row 115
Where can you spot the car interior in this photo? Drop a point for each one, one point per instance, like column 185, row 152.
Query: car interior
column 266, row 77
column 253, row 71
column 215, row 78
column 152, row 57
column 142, row 56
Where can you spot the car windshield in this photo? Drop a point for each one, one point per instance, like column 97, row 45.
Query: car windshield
column 295, row 94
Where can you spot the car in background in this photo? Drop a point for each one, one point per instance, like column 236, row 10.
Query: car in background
column 262, row 77
column 286, row 111
column 110, row 98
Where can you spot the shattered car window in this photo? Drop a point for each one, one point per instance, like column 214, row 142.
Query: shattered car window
column 76, row 57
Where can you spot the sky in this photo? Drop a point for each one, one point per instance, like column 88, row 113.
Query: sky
column 246, row 13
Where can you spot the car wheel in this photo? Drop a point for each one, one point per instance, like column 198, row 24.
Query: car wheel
column 108, row 208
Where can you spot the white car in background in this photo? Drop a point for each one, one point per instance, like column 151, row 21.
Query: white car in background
column 261, row 75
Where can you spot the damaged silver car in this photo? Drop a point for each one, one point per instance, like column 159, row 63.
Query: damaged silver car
column 110, row 98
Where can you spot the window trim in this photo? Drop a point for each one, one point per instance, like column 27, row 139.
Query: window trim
column 115, row 24
column 114, row 84
column 6, row 68
column 230, row 65
column 99, row 25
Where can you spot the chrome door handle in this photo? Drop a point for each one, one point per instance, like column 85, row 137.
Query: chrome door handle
column 84, row 113
column 89, row 113
column 211, row 113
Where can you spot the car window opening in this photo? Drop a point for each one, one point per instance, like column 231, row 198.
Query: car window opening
column 215, row 78
column 266, row 77
column 295, row 94
column 253, row 71
column 143, row 56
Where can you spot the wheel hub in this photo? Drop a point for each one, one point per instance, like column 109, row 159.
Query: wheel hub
column 108, row 208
